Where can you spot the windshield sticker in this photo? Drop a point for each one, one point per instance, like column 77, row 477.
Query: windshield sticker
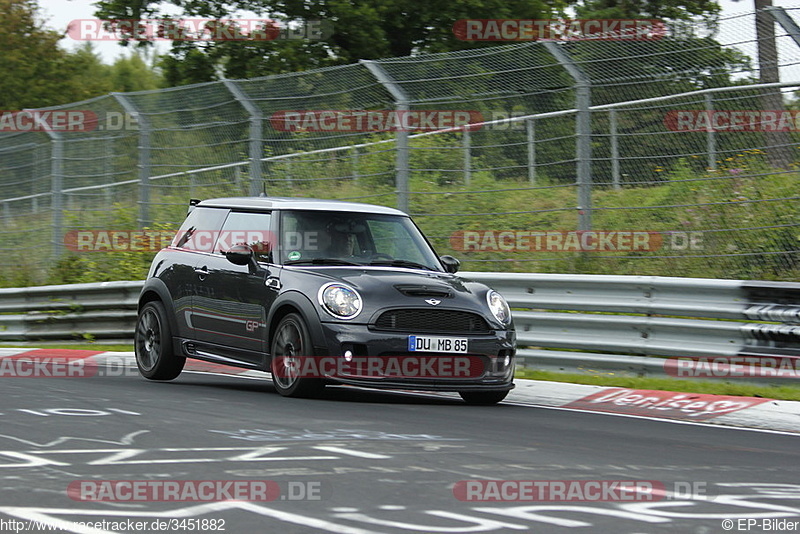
column 294, row 255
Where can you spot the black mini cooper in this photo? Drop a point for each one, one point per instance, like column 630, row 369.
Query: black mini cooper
column 318, row 292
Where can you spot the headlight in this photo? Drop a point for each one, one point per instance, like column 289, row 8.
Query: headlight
column 499, row 307
column 340, row 300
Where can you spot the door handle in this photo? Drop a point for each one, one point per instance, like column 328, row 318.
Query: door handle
column 202, row 272
column 273, row 283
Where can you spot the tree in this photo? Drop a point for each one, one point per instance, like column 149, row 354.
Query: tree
column 34, row 67
column 668, row 10
column 37, row 73
column 132, row 73
column 368, row 29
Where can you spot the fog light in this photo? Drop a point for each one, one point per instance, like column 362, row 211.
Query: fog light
column 348, row 356
column 507, row 360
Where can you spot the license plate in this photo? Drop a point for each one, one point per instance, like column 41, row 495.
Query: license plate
column 436, row 344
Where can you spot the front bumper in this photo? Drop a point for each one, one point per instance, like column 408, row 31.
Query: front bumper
column 485, row 360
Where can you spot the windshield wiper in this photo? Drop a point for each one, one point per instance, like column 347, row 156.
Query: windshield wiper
column 402, row 263
column 320, row 261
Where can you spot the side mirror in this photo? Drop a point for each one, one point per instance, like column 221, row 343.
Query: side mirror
column 242, row 255
column 451, row 264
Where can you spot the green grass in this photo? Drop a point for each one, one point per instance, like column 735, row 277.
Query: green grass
column 668, row 384
column 748, row 212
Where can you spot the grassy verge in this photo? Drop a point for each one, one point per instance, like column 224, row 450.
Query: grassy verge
column 668, row 384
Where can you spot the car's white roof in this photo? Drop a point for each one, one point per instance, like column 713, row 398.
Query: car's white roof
column 291, row 203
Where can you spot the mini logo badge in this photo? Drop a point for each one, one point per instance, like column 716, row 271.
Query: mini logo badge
column 433, row 302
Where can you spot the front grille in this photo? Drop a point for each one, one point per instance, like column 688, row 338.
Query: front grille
column 440, row 321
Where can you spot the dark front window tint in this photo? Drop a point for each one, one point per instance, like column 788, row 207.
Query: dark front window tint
column 360, row 238
column 200, row 229
column 245, row 228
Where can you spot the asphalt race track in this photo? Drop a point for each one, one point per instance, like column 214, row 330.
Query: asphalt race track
column 359, row 461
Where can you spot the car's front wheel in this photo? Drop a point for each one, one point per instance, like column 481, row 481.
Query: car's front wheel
column 483, row 398
column 291, row 343
column 152, row 343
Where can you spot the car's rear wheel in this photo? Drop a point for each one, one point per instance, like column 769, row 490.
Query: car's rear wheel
column 152, row 343
column 483, row 398
column 291, row 343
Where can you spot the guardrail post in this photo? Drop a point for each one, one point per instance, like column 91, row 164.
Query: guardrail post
column 401, row 99
column 530, row 127
column 256, row 141
column 583, row 134
column 144, row 157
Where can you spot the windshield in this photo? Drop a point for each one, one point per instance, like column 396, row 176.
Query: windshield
column 343, row 238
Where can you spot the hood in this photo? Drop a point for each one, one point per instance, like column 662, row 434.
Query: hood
column 382, row 288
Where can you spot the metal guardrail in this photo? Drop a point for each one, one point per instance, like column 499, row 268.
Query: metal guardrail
column 625, row 323
column 105, row 310
column 564, row 322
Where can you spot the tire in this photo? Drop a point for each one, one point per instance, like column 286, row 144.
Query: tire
column 153, row 345
column 483, row 398
column 291, row 340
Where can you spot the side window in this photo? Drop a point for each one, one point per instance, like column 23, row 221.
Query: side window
column 199, row 231
column 247, row 228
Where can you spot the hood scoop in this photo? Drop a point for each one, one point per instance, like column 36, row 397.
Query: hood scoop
column 416, row 290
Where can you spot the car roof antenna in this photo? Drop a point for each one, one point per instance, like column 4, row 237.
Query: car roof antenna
column 263, row 189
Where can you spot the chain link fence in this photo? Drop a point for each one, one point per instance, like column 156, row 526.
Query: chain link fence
column 660, row 157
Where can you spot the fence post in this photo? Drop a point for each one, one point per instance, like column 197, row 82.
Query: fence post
column 583, row 134
column 402, row 106
column 237, row 179
column 56, row 183
column 711, row 141
column 355, row 167
column 467, row 145
column 144, row 157
column 256, row 142
column 57, row 186
column 530, row 127
column 612, row 131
